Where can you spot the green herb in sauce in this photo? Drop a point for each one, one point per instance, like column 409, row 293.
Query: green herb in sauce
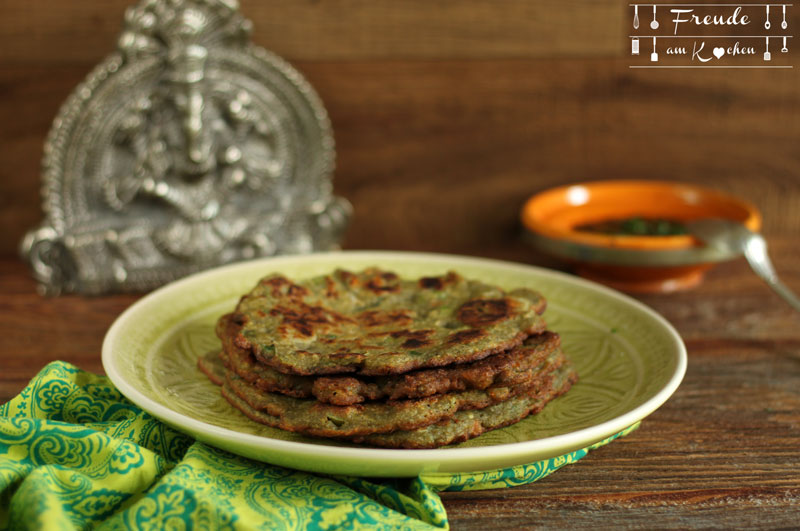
column 636, row 226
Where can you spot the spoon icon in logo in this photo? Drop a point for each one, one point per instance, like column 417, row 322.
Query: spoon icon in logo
column 654, row 24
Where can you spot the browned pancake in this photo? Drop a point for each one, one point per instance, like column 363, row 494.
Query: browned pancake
column 468, row 424
column 507, row 368
column 462, row 425
column 324, row 420
column 374, row 323
column 375, row 359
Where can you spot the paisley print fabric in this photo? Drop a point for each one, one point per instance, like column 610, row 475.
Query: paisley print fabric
column 74, row 453
column 514, row 476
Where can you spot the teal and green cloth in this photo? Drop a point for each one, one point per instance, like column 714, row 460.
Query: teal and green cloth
column 74, row 453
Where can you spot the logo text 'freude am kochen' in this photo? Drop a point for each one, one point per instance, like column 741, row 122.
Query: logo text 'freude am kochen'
column 711, row 35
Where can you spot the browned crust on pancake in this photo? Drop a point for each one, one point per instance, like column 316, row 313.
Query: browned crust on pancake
column 314, row 418
column 485, row 312
column 507, row 368
column 463, row 425
column 311, row 417
column 468, row 425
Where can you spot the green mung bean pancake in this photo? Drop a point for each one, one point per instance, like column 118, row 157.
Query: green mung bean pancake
column 462, row 425
column 480, row 376
column 468, row 424
column 375, row 323
column 312, row 417
column 506, row 368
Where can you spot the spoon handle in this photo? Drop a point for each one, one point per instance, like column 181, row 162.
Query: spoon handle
column 756, row 254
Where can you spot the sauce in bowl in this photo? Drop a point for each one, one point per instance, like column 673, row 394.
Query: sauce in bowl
column 635, row 226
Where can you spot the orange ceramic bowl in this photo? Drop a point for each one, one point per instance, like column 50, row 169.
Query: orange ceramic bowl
column 632, row 263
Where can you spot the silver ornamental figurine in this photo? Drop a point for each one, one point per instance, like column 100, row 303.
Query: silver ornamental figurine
column 188, row 147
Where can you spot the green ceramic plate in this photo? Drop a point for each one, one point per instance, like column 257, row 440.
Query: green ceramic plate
column 630, row 360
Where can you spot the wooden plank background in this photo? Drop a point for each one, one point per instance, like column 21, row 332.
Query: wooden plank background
column 462, row 106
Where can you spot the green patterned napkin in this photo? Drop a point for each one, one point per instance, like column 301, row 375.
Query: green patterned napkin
column 75, row 453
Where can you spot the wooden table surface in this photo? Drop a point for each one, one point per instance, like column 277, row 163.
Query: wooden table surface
column 724, row 451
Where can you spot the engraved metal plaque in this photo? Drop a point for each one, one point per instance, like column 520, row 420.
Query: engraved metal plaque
column 188, row 147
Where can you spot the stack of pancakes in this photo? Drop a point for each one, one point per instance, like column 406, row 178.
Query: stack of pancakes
column 375, row 359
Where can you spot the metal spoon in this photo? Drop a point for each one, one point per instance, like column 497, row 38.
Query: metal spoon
column 731, row 236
